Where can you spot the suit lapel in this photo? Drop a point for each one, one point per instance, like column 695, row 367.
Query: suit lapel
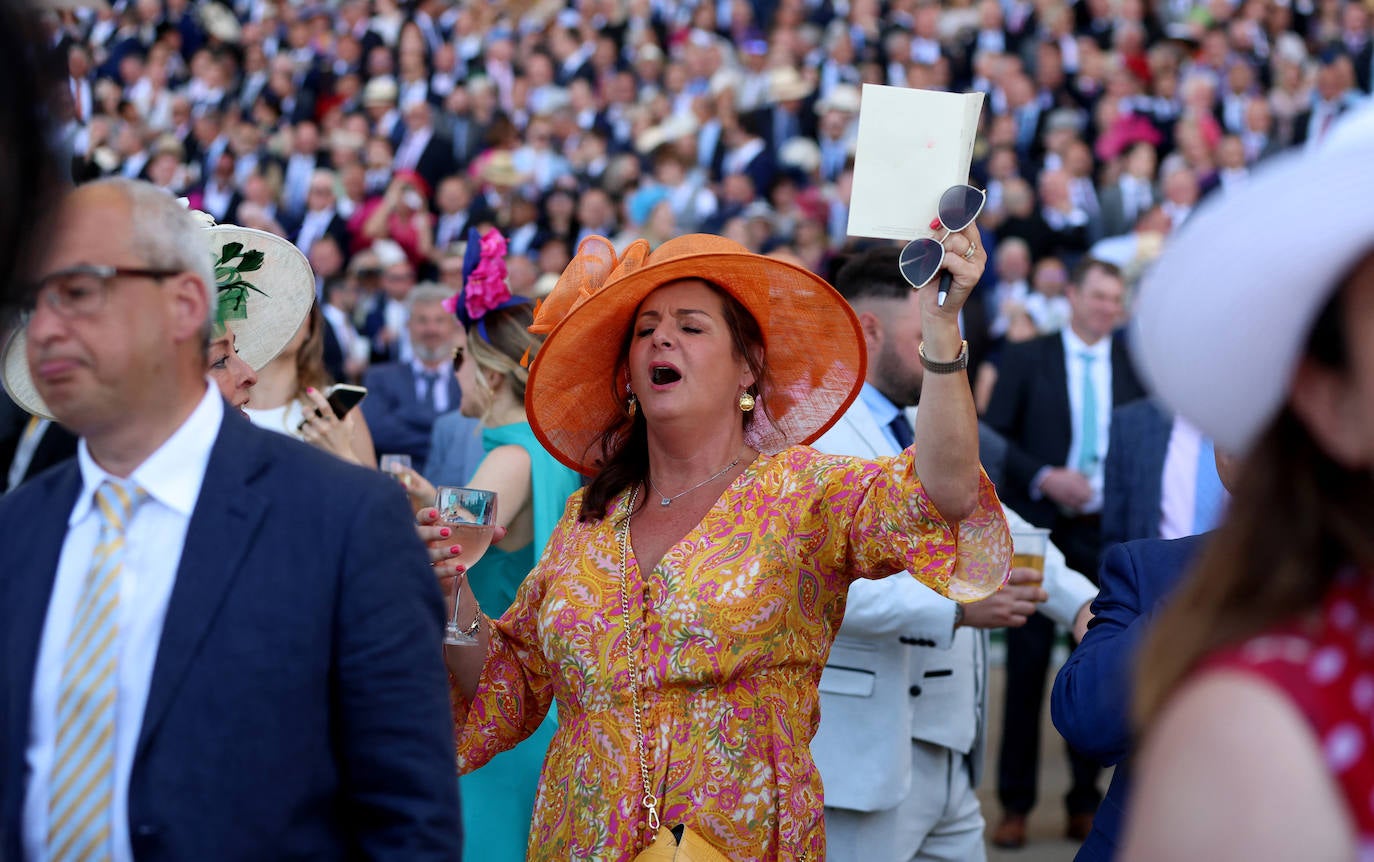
column 1125, row 387
column 1058, row 394
column 223, row 525
column 27, row 590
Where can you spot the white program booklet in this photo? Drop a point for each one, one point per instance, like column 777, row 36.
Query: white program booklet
column 913, row 144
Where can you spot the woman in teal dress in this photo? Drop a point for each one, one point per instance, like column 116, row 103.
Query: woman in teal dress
column 532, row 489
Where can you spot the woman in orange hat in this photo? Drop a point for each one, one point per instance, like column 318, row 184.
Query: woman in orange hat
column 683, row 608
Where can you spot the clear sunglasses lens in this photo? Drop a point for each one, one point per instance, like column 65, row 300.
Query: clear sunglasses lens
column 920, row 261
column 959, row 206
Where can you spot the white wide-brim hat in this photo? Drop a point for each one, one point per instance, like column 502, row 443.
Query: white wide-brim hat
column 1222, row 318
column 281, row 293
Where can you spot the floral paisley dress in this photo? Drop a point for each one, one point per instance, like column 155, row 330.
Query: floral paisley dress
column 736, row 622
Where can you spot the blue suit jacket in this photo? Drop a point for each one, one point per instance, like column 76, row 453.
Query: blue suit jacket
column 298, row 706
column 1133, row 476
column 398, row 421
column 1092, row 692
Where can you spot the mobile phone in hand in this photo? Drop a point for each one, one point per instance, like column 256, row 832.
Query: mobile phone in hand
column 343, row 397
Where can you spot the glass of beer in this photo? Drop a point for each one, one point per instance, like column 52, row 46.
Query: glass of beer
column 1028, row 548
column 393, row 464
column 470, row 513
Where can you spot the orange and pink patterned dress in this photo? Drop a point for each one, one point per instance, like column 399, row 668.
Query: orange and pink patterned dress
column 737, row 621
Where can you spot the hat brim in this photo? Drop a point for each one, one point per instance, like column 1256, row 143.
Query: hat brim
column 1222, row 317
column 286, row 290
column 18, row 381
column 287, row 285
column 813, row 351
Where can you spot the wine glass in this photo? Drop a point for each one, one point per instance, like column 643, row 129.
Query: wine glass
column 470, row 513
column 392, row 464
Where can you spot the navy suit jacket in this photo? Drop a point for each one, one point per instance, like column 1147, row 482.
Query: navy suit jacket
column 1133, row 476
column 398, row 421
column 1030, row 408
column 298, row 706
column 1091, row 697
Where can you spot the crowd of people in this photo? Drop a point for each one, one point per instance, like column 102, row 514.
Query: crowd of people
column 583, row 255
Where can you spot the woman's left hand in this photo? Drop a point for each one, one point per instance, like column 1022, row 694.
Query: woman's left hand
column 321, row 428
column 965, row 267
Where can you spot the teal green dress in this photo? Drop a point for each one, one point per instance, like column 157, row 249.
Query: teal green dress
column 498, row 799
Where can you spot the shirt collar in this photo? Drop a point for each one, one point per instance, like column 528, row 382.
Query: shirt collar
column 878, row 404
column 168, row 475
column 1077, row 346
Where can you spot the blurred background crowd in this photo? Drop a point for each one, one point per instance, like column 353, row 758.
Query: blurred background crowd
column 373, row 134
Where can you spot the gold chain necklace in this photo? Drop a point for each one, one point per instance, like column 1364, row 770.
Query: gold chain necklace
column 665, row 501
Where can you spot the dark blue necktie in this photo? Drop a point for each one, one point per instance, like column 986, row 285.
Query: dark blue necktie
column 901, row 429
column 428, row 381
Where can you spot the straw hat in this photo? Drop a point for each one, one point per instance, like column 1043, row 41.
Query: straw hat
column 813, row 346
column 786, row 84
column 264, row 300
column 1222, row 318
column 844, row 98
column 221, row 23
column 674, row 128
column 500, row 171
column 381, row 90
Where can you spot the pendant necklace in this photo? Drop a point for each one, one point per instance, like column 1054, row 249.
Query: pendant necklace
column 666, row 501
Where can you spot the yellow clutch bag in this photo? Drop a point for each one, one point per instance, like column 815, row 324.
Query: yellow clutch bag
column 679, row 844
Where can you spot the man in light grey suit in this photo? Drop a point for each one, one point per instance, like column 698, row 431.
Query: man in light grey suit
column 903, row 695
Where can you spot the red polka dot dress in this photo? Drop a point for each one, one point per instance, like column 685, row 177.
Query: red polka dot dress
column 1326, row 668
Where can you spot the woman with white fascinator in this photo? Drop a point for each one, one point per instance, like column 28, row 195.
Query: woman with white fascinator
column 260, row 304
column 1256, row 686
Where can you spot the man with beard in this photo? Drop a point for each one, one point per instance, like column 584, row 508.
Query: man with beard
column 404, row 398
column 903, row 696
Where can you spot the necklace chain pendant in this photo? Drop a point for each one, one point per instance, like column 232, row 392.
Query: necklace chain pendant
column 666, row 501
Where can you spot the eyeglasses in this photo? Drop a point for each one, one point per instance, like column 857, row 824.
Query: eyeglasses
column 80, row 291
column 922, row 257
column 458, row 353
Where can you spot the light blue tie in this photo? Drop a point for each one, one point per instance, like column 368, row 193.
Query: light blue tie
column 82, row 779
column 1087, row 430
column 1209, row 499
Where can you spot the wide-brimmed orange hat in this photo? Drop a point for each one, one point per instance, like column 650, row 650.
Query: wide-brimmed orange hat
column 813, row 346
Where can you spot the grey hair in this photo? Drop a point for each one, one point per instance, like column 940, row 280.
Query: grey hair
column 165, row 235
column 427, row 293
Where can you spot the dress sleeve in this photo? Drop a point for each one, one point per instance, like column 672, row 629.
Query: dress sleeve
column 515, row 689
column 893, row 525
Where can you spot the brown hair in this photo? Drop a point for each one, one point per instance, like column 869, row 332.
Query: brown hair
column 1255, row 573
column 310, row 370
column 624, row 443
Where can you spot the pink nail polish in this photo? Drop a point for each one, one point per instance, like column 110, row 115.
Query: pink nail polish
column 310, row 390
column 455, row 549
column 445, row 532
column 935, row 223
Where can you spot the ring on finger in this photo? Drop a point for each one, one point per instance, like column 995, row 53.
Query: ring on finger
column 972, row 250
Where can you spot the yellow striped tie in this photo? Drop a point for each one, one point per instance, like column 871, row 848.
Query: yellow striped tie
column 82, row 778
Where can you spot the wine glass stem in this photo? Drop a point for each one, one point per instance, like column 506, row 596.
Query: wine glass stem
column 457, row 601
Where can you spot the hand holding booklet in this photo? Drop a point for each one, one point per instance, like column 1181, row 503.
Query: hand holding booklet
column 913, row 145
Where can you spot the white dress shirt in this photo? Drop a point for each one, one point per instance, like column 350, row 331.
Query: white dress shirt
column 172, row 476
column 1101, row 369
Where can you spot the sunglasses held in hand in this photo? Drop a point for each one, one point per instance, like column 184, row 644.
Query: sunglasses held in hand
column 922, row 257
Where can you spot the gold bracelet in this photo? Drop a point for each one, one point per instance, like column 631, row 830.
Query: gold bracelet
column 476, row 626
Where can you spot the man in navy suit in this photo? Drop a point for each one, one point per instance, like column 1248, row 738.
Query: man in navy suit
column 1053, row 403
column 1090, row 703
column 215, row 643
column 1160, row 481
column 404, row 398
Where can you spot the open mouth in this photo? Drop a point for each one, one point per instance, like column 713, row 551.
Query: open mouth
column 662, row 375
